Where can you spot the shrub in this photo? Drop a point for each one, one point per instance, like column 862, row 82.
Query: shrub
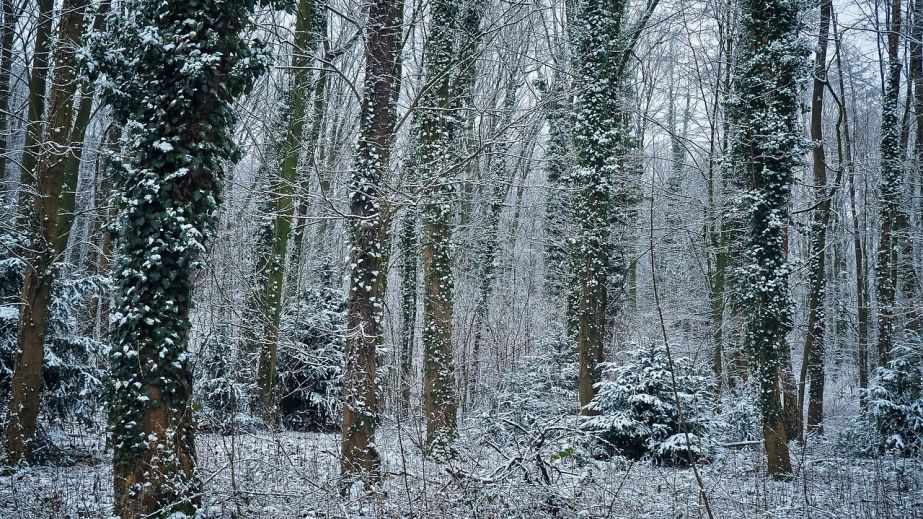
column 71, row 371
column 310, row 365
column 894, row 402
column 638, row 415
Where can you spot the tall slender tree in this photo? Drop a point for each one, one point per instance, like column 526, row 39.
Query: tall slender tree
column 812, row 363
column 766, row 152
column 282, row 186
column 38, row 89
column 7, row 32
column 42, row 217
column 603, row 41
column 409, row 244
column 369, row 222
column 557, row 170
column 498, row 173
column 890, row 188
column 173, row 71
column 438, row 125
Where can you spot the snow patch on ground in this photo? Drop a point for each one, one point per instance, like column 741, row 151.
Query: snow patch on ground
column 294, row 475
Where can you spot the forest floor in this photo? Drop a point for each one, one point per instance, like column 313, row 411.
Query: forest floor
column 293, row 475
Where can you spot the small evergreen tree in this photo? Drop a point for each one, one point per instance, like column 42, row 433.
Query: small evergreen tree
column 71, row 377
column 311, row 365
column 894, row 401
column 222, row 393
column 637, row 413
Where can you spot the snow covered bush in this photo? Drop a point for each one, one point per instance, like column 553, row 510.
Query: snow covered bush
column 894, row 402
column 71, row 373
column 310, row 366
column 73, row 368
column 637, row 414
column 222, row 393
column 535, row 420
column 740, row 419
column 11, row 273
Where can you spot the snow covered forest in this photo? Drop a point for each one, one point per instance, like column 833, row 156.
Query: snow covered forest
column 461, row 258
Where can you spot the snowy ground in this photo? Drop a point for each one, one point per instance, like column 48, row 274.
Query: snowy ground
column 292, row 475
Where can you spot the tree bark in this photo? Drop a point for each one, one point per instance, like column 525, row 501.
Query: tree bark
column 910, row 279
column 179, row 145
column 7, row 32
column 844, row 143
column 312, row 144
column 77, row 136
column 768, row 103
column 38, row 85
column 368, row 242
column 42, row 218
column 812, row 363
column 600, row 140
column 283, row 184
column 409, row 241
column 498, row 176
column 890, row 190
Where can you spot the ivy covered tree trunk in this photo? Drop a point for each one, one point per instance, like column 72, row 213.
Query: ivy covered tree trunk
column 557, row 205
column 771, row 64
column 440, row 402
column 409, row 243
column 42, row 218
column 812, row 363
column 174, row 71
column 437, row 128
column 282, row 190
column 890, row 190
column 368, row 243
column 597, row 141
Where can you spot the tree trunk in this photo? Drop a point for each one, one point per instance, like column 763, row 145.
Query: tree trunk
column 599, row 139
column 312, row 143
column 409, row 243
column 768, row 103
column 557, row 201
column 42, row 217
column 498, row 177
column 440, row 122
column 7, row 32
column 105, row 213
column 38, row 85
column 890, row 191
column 180, row 143
column 812, row 363
column 77, row 135
column 368, row 243
column 911, row 287
column 779, row 463
column 439, row 399
column 844, row 143
column 293, row 111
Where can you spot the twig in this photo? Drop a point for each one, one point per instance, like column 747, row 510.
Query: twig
column 663, row 328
